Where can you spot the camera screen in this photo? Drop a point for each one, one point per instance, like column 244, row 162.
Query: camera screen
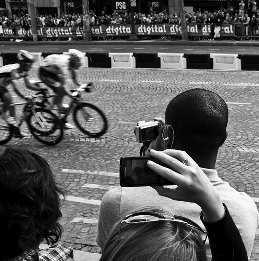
column 134, row 172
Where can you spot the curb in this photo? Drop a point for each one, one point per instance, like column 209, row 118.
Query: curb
column 170, row 61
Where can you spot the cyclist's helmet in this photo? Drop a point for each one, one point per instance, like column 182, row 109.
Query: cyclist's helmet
column 76, row 58
column 25, row 56
column 51, row 75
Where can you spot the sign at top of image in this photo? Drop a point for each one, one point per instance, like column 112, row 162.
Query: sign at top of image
column 120, row 5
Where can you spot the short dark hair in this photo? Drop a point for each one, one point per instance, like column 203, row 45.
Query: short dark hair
column 29, row 203
column 199, row 118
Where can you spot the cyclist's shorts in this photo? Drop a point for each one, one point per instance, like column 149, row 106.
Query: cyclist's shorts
column 52, row 76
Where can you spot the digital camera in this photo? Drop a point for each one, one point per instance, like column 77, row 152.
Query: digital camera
column 147, row 131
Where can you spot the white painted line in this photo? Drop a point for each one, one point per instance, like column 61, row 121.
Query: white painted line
column 244, row 84
column 97, row 186
column 143, row 81
column 74, row 199
column 100, row 173
column 239, row 103
column 201, row 83
column 82, row 256
column 247, row 150
column 188, row 49
column 84, row 220
column 139, row 48
column 73, row 171
column 127, row 122
column 151, row 81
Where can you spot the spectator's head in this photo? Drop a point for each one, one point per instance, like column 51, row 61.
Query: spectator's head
column 199, row 118
column 154, row 234
column 29, row 203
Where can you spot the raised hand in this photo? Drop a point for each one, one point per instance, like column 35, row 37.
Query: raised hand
column 193, row 184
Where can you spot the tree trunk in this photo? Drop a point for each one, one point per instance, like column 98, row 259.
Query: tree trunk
column 32, row 14
column 183, row 21
column 8, row 7
column 86, row 20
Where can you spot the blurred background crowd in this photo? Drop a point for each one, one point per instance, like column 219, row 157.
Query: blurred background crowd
column 245, row 18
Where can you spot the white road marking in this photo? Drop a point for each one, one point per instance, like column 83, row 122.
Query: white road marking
column 256, row 200
column 188, row 49
column 84, row 220
column 245, row 84
column 127, row 122
column 139, row 48
column 74, row 199
column 102, row 173
column 97, row 186
column 239, row 103
column 202, row 83
column 143, row 81
column 247, row 150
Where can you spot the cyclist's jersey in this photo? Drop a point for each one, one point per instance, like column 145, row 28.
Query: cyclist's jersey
column 60, row 60
column 8, row 73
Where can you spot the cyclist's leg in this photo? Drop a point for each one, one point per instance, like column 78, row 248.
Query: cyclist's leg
column 58, row 99
column 8, row 106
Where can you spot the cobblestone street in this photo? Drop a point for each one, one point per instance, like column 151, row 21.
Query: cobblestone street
column 87, row 168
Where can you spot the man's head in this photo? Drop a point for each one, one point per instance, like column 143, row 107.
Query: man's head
column 199, row 118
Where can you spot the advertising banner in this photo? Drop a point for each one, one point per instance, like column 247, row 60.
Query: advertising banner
column 227, row 30
column 111, row 30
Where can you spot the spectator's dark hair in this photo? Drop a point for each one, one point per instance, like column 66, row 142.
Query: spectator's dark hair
column 29, row 203
column 199, row 118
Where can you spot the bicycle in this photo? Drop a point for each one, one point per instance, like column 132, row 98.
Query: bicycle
column 43, row 124
column 91, row 113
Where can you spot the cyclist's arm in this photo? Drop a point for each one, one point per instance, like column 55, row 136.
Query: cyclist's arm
column 74, row 78
column 29, row 85
column 15, row 76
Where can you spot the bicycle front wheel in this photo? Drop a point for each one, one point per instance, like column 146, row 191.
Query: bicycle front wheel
column 5, row 132
column 90, row 120
column 42, row 121
column 50, row 131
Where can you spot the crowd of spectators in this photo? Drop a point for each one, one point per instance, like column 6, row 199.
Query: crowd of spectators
column 245, row 18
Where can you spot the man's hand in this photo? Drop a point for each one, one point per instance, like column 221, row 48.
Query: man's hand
column 193, row 184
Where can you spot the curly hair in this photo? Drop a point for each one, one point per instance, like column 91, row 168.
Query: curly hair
column 29, row 203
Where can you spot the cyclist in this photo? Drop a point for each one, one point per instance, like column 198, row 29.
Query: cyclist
column 8, row 75
column 55, row 72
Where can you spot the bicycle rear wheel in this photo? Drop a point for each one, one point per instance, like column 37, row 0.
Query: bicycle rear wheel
column 51, row 133
column 6, row 132
column 90, row 120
